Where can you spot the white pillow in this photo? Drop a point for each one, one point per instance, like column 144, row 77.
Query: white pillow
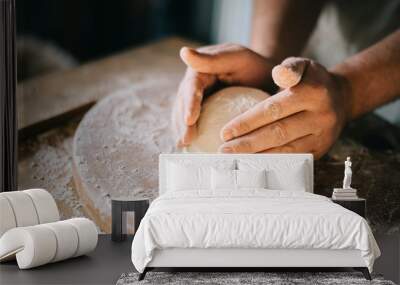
column 251, row 179
column 187, row 177
column 293, row 179
column 281, row 174
column 226, row 179
column 223, row 179
column 193, row 174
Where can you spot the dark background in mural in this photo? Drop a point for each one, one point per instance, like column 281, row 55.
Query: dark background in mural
column 91, row 29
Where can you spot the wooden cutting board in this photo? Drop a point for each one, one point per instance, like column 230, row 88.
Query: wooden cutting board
column 116, row 147
column 117, row 143
column 46, row 101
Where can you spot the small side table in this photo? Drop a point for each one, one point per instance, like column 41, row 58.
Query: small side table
column 358, row 205
column 119, row 207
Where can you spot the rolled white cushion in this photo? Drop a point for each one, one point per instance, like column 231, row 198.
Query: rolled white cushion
column 23, row 208
column 7, row 218
column 46, row 207
column 33, row 246
column 26, row 208
column 40, row 244
column 67, row 239
column 87, row 235
column 251, row 179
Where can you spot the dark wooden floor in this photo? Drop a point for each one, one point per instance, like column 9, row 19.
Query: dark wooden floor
column 103, row 266
column 389, row 262
column 110, row 260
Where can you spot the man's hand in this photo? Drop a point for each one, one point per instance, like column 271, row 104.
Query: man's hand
column 305, row 118
column 228, row 64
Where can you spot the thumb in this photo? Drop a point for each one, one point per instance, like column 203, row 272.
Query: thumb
column 202, row 62
column 289, row 72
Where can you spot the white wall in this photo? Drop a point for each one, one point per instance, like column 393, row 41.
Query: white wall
column 231, row 21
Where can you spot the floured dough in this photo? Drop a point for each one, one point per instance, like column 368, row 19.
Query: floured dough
column 218, row 110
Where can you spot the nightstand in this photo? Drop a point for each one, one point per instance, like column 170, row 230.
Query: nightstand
column 356, row 205
column 119, row 207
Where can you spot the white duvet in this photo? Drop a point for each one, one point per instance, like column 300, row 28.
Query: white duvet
column 250, row 219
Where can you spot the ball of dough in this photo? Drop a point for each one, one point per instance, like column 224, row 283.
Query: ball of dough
column 219, row 109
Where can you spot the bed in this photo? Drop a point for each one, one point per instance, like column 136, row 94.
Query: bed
column 245, row 211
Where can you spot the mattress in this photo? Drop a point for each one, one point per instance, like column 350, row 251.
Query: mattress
column 250, row 219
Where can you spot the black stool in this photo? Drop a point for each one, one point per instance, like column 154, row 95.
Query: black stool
column 119, row 207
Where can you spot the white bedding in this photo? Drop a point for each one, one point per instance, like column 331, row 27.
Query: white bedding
column 250, row 218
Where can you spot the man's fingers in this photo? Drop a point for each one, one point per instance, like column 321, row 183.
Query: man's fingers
column 188, row 134
column 289, row 72
column 198, row 61
column 184, row 134
column 208, row 62
column 304, row 144
column 192, row 95
column 193, row 106
column 191, row 92
column 273, row 135
column 272, row 109
column 188, row 105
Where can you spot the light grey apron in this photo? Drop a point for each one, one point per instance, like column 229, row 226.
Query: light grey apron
column 347, row 27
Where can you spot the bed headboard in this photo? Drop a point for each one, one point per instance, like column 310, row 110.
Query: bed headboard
column 205, row 158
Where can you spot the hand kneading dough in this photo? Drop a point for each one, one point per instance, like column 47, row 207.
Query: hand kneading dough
column 218, row 110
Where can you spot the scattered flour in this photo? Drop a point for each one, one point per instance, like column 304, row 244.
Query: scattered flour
column 116, row 145
column 45, row 162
